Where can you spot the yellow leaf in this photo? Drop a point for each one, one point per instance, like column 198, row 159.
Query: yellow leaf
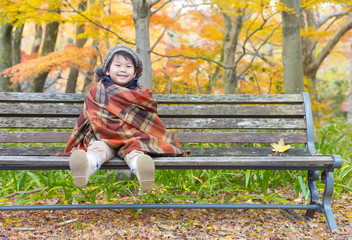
column 280, row 146
column 198, row 179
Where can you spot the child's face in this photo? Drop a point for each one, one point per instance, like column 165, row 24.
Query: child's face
column 121, row 70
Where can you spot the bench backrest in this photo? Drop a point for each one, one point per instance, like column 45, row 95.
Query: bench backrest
column 39, row 123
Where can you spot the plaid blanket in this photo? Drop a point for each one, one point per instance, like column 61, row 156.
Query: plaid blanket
column 125, row 119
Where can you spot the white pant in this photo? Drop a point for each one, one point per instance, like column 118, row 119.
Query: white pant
column 105, row 152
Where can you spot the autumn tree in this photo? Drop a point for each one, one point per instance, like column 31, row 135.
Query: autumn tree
column 229, row 46
column 291, row 47
column 37, row 38
column 321, row 33
column 142, row 12
column 241, row 34
column 5, row 54
column 80, row 41
column 17, row 14
column 49, row 43
column 17, row 51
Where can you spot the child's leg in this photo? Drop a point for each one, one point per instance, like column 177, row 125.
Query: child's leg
column 85, row 164
column 143, row 167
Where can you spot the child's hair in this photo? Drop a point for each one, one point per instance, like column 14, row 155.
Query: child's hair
column 124, row 54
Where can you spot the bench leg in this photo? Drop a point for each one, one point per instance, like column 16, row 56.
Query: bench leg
column 328, row 179
column 313, row 176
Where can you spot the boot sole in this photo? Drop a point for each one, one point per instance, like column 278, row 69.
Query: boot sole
column 145, row 172
column 79, row 165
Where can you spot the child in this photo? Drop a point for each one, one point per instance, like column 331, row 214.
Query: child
column 119, row 117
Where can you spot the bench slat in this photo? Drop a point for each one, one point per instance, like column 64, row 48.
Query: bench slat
column 171, row 123
column 34, row 137
column 212, row 151
column 228, row 99
column 49, row 110
column 241, row 137
column 188, row 137
column 235, row 111
column 163, row 111
column 42, row 97
column 235, row 123
column 162, row 99
column 39, row 122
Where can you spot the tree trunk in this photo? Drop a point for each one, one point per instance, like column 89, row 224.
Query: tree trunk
column 73, row 75
column 37, row 38
column 232, row 31
column 17, row 40
column 291, row 49
column 5, row 54
column 141, row 18
column 90, row 73
column 49, row 44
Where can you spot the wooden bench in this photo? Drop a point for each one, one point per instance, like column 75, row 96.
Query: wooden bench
column 240, row 120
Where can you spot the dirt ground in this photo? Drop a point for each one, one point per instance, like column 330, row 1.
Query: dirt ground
column 175, row 224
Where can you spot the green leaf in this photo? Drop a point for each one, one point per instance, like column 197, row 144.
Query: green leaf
column 303, row 187
column 277, row 199
column 35, row 178
column 345, row 171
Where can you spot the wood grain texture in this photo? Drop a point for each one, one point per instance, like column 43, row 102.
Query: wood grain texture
column 195, row 151
column 235, row 111
column 171, row 123
column 161, row 98
column 184, row 137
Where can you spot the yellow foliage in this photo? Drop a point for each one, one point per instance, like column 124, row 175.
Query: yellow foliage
column 196, row 32
column 312, row 34
column 20, row 11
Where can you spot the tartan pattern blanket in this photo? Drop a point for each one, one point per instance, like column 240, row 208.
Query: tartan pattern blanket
column 125, row 119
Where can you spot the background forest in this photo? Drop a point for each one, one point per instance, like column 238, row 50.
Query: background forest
column 198, row 47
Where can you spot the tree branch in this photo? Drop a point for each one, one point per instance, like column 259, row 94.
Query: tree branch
column 212, row 22
column 257, row 51
column 189, row 57
column 323, row 20
column 251, row 34
column 261, row 56
column 159, row 38
column 162, row 5
column 330, row 45
column 164, row 31
column 154, row 2
column 96, row 24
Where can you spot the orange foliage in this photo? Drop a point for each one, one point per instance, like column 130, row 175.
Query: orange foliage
column 65, row 58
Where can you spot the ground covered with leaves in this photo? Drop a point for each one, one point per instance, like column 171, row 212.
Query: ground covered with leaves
column 175, row 224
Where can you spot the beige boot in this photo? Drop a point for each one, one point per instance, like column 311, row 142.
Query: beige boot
column 143, row 167
column 83, row 165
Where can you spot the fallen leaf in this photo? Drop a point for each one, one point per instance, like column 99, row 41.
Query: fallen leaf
column 280, row 146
